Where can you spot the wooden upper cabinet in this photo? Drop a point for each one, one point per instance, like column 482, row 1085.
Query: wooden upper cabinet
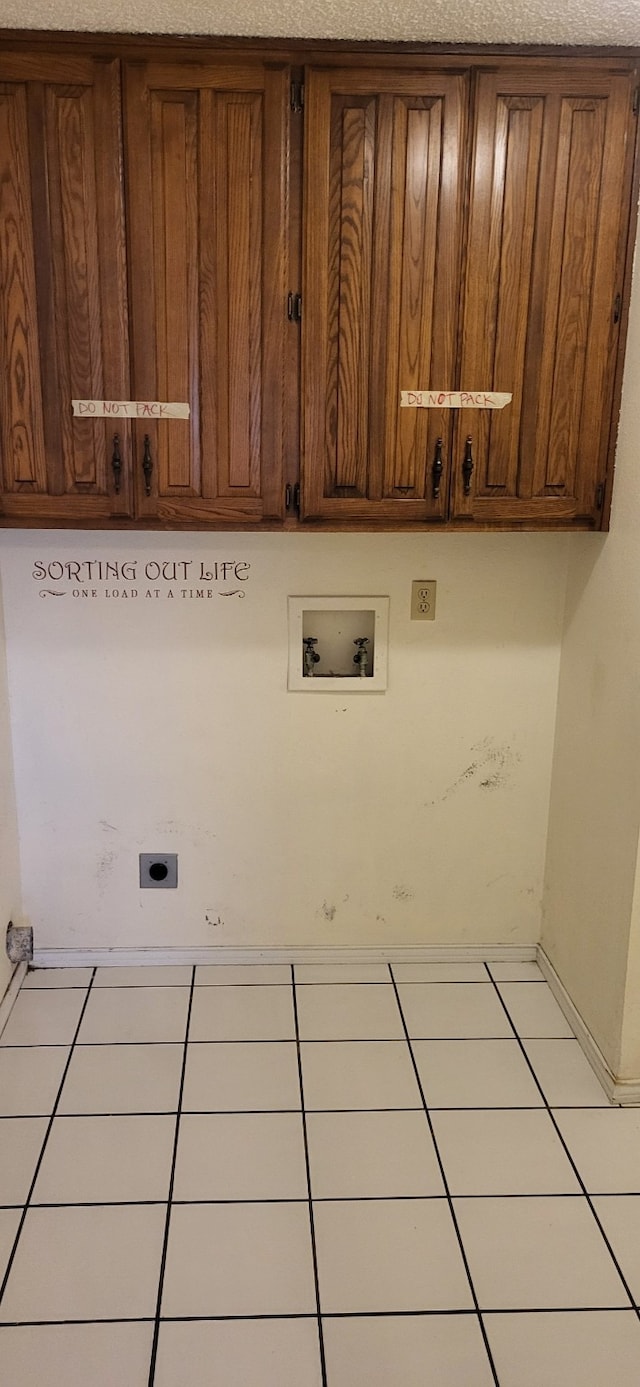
column 383, row 204
column 548, row 220
column 63, row 304
column 207, row 240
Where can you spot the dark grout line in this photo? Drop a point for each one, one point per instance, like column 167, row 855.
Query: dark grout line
column 238, row 1112
column 399, row 1040
column 589, row 1198
column 428, row 1313
column 296, row 1199
column 43, row 1148
column 314, row 1252
column 446, row 1185
column 165, row 1243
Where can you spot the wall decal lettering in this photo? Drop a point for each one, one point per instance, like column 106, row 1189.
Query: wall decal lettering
column 128, row 579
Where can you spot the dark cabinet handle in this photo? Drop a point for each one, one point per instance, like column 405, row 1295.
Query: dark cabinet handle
column 436, row 470
column 116, row 463
column 147, row 464
column 467, row 466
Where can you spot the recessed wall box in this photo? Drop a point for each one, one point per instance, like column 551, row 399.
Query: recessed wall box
column 338, row 644
column 158, row 870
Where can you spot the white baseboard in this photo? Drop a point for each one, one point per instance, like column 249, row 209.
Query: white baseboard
column 436, row 953
column 626, row 1092
column 6, row 1005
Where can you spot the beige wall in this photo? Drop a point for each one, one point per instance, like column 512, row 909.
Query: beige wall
column 594, row 821
column 161, row 724
column 9, row 869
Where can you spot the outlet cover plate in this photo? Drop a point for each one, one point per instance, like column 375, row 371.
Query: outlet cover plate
column 423, row 599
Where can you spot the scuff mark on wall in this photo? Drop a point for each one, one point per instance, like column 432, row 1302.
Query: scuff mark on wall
column 104, row 867
column 491, row 769
column 107, row 827
column 327, row 911
column 403, row 893
column 105, row 864
column 173, row 827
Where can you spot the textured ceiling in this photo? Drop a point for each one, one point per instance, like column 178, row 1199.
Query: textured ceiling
column 445, row 21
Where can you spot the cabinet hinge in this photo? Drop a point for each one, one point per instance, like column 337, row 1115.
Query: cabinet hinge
column 294, row 307
column 599, row 495
column 617, row 308
column 636, row 101
column 297, row 97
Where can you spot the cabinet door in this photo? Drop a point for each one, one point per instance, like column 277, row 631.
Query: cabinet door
column 548, row 217
column 63, row 305
column 206, row 183
column 382, row 208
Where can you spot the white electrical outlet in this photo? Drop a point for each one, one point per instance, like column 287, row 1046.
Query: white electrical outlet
column 423, row 599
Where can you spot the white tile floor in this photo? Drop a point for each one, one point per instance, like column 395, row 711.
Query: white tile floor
column 321, row 1177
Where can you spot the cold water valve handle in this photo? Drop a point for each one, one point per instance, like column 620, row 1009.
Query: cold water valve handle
column 361, row 657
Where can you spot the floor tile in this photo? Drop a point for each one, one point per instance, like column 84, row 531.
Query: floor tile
column 9, row 1220
column 98, row 1159
column 21, row 1141
column 253, row 1353
column 239, row 1259
column 396, row 1349
column 475, row 1074
column 357, row 1075
column 241, row 1078
column 147, row 975
column 44, row 1018
column 122, row 1078
column 242, row 1013
column 605, row 1146
column 385, row 1255
column 361, row 1155
column 86, row 1264
column 450, row 1011
column 243, row 974
column 342, row 972
column 30, row 1079
column 440, row 972
column 77, row 1355
column 565, row 1350
column 57, row 977
column 502, row 1152
column 565, row 1075
column 537, row 1254
column 241, row 1156
column 349, row 1011
column 534, row 1010
column 516, row 972
column 620, row 1218
column 135, row 1014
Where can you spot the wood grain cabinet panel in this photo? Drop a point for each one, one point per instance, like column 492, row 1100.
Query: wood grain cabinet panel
column 383, row 202
column 548, row 222
column 454, row 222
column 63, row 299
column 207, row 181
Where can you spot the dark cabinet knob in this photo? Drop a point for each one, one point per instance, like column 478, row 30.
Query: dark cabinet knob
column 116, row 463
column 436, row 470
column 147, row 464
